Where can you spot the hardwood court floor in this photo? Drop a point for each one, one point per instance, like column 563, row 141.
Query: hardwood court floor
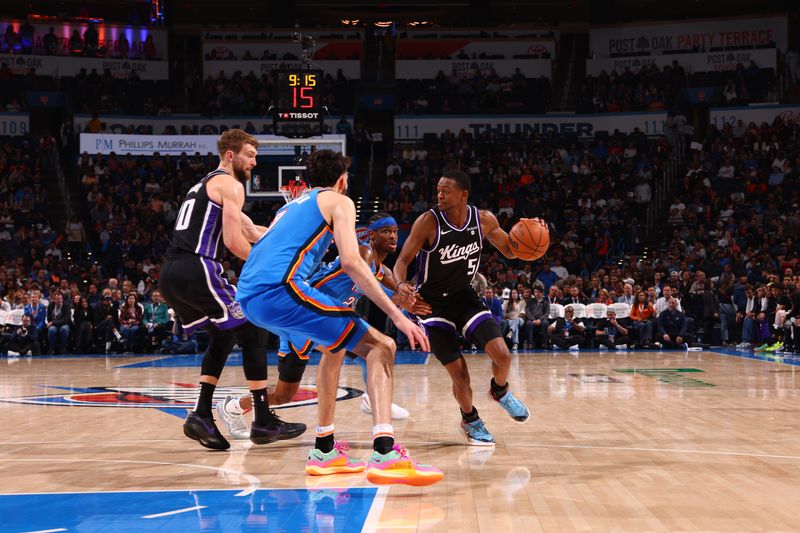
column 639, row 441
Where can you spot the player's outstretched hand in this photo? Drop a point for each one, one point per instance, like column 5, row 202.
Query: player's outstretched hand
column 416, row 336
column 421, row 307
column 536, row 219
column 406, row 290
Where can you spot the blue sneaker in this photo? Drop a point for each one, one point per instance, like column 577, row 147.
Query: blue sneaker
column 514, row 407
column 477, row 434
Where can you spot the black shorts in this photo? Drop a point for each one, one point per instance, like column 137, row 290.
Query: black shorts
column 196, row 290
column 461, row 315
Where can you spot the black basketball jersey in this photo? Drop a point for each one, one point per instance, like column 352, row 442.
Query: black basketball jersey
column 449, row 266
column 198, row 228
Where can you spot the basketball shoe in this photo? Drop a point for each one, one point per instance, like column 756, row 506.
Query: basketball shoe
column 276, row 429
column 514, row 407
column 476, row 433
column 205, row 432
column 335, row 461
column 398, row 413
column 396, row 467
column 234, row 422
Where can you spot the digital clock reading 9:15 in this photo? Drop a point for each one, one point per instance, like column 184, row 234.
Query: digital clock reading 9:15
column 299, row 90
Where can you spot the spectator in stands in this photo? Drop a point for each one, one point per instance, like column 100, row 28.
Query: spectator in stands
column 567, row 331
column 672, row 327
column 76, row 44
column 37, row 311
column 50, row 42
column 513, row 318
column 156, row 320
column 643, row 316
column 537, row 312
column 25, row 339
column 59, row 322
column 91, row 41
column 130, row 320
column 609, row 333
column 107, row 325
column 493, row 304
column 84, row 321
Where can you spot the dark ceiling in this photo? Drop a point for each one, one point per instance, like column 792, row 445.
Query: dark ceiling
column 446, row 13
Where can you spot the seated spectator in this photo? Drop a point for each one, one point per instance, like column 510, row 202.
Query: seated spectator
column 610, row 333
column 567, row 331
column 37, row 311
column 25, row 339
column 156, row 320
column 493, row 304
column 59, row 322
column 537, row 311
column 672, row 327
column 643, row 316
column 130, row 320
column 107, row 323
column 513, row 318
column 84, row 321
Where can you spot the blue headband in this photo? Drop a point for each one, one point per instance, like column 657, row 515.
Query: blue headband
column 382, row 223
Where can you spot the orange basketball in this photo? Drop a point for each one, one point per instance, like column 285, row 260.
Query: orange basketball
column 529, row 238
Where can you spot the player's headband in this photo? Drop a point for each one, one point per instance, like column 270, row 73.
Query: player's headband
column 382, row 223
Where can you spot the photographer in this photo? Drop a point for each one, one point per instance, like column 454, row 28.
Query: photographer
column 25, row 339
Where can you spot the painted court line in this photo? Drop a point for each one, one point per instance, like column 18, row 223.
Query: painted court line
column 253, row 482
column 176, row 511
column 47, row 530
column 375, row 510
column 663, row 450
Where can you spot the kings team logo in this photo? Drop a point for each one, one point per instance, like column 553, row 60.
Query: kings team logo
column 173, row 398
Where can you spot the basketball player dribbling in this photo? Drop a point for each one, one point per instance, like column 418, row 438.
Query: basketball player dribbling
column 331, row 280
column 447, row 243
column 192, row 283
column 275, row 293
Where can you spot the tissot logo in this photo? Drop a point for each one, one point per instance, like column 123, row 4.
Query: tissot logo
column 172, row 398
column 453, row 252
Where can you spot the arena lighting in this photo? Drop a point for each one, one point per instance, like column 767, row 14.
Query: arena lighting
column 383, row 23
column 35, row 17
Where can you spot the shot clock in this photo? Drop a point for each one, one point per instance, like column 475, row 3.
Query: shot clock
column 298, row 111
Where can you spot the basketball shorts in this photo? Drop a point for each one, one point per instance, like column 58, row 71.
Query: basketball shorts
column 292, row 360
column 461, row 315
column 311, row 315
column 196, row 290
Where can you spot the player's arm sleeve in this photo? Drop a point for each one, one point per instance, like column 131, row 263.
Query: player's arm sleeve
column 495, row 234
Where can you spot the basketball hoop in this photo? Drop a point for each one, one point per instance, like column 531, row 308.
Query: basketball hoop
column 293, row 191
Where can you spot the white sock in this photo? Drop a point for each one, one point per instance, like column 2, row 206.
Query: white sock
column 324, row 431
column 233, row 407
column 382, row 430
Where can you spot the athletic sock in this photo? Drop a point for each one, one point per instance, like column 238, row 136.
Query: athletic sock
column 261, row 414
column 498, row 391
column 470, row 417
column 324, row 441
column 382, row 438
column 203, row 406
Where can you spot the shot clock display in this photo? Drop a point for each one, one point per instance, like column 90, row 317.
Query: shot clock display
column 298, row 109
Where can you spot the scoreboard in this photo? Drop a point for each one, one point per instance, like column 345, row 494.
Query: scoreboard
column 298, row 111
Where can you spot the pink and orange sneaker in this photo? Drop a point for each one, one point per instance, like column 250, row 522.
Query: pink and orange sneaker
column 335, row 461
column 397, row 467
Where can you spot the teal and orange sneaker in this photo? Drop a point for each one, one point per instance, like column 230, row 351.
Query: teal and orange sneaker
column 762, row 348
column 335, row 461
column 396, row 467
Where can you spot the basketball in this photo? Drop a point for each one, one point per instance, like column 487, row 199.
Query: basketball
column 529, row 238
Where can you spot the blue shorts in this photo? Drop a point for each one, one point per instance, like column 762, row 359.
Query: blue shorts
column 311, row 317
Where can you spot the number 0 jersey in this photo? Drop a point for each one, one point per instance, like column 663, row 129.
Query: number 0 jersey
column 198, row 228
column 449, row 266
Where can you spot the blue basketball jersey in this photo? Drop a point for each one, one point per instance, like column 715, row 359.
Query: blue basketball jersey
column 333, row 281
column 290, row 251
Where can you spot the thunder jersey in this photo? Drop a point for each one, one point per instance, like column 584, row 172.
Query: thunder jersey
column 449, row 266
column 290, row 251
column 198, row 228
column 333, row 281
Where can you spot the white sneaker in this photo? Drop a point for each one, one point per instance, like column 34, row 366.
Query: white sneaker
column 398, row 413
column 574, row 347
column 622, row 347
column 236, row 424
column 515, row 347
column 603, row 348
column 12, row 353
